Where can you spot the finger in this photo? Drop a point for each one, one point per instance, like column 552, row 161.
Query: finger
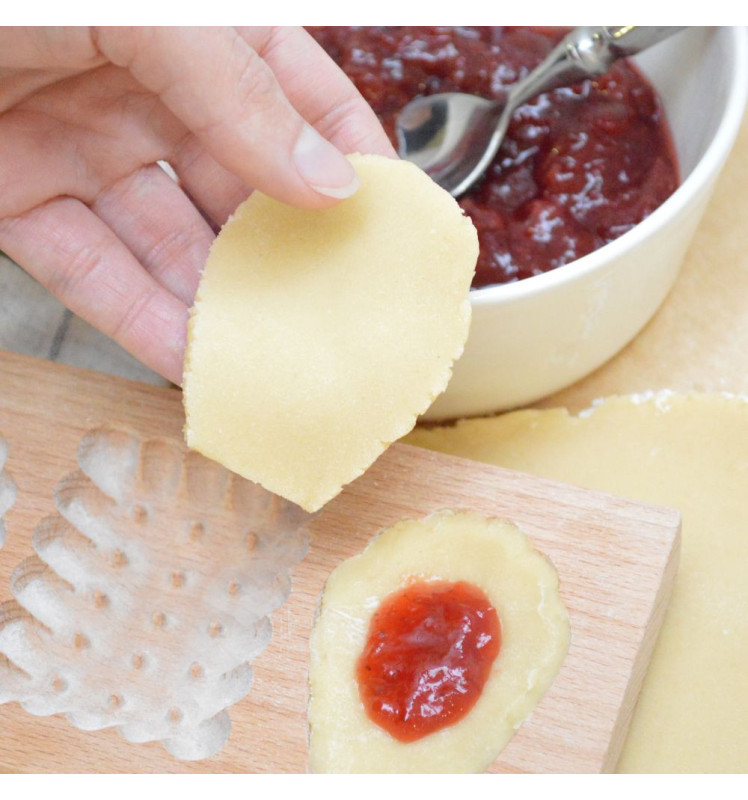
column 216, row 191
column 74, row 254
column 53, row 47
column 34, row 57
column 74, row 139
column 319, row 90
column 160, row 226
column 226, row 94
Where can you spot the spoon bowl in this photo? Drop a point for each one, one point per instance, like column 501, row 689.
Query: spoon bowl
column 452, row 136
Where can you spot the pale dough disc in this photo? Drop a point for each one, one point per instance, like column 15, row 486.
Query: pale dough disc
column 690, row 453
column 318, row 337
column 522, row 586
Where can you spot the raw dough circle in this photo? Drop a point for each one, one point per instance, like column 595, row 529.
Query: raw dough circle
column 521, row 584
column 317, row 338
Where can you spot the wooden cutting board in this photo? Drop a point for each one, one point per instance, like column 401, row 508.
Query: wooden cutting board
column 616, row 561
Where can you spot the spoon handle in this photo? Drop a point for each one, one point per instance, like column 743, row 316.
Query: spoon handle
column 586, row 52
column 630, row 40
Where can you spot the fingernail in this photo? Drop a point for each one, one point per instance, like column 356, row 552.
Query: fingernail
column 323, row 166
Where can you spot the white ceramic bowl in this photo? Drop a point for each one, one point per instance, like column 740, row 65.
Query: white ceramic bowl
column 531, row 338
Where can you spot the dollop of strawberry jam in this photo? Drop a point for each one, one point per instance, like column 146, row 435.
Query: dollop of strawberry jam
column 427, row 657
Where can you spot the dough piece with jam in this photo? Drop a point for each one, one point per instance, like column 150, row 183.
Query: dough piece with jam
column 317, row 338
column 447, row 562
column 688, row 452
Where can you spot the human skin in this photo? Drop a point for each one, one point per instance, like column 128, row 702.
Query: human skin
column 86, row 114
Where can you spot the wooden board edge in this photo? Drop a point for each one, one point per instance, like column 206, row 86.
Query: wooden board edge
column 645, row 653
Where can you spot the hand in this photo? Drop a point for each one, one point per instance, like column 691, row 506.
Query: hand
column 86, row 114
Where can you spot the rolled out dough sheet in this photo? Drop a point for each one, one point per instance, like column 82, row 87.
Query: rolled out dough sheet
column 685, row 451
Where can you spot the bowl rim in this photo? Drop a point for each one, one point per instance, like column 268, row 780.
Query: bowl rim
column 708, row 166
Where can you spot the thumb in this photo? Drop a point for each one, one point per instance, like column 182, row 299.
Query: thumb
column 229, row 98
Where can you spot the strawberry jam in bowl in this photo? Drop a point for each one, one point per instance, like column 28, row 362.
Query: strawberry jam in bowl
column 586, row 213
column 578, row 167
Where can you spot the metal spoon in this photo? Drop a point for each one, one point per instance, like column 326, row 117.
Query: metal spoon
column 454, row 136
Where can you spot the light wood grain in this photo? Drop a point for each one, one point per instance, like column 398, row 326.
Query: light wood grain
column 616, row 560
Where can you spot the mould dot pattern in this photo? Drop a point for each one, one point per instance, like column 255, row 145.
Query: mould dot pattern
column 149, row 593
